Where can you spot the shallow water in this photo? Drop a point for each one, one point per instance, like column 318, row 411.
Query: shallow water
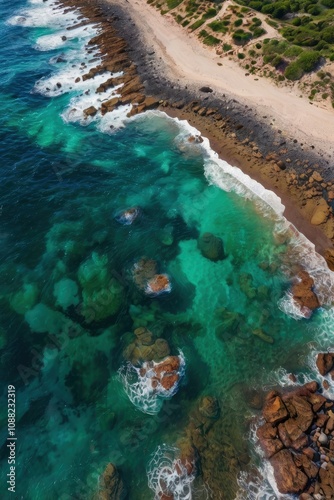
column 68, row 300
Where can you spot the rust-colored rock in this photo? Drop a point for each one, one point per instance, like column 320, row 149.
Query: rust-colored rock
column 288, row 477
column 303, row 292
column 111, row 486
column 325, row 362
column 275, row 411
column 91, row 111
column 269, row 441
column 160, row 283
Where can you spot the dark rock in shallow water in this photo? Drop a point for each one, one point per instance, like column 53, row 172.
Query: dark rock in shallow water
column 206, row 89
column 211, row 247
column 128, row 216
column 209, row 407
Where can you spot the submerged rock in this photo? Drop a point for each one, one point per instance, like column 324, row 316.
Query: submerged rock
column 211, row 247
column 111, row 486
column 209, row 407
column 128, row 216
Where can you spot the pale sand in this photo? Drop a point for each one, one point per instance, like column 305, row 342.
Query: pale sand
column 185, row 59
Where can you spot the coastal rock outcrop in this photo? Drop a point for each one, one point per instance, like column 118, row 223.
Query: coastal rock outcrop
column 298, row 438
column 211, row 247
column 303, row 292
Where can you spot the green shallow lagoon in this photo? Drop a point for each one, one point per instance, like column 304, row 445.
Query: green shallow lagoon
column 69, row 304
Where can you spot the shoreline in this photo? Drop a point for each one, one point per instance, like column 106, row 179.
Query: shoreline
column 236, row 131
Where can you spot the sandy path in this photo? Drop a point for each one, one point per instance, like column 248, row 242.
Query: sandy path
column 186, row 59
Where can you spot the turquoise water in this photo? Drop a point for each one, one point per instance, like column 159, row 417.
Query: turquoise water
column 69, row 303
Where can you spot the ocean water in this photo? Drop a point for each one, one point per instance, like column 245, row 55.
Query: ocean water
column 69, row 303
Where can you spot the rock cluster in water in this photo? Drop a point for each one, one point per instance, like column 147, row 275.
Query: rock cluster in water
column 298, row 438
column 146, row 348
column 146, row 277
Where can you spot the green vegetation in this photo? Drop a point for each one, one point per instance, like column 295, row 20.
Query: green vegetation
column 305, row 63
column 241, row 37
column 209, row 39
column 227, row 47
column 241, row 55
column 218, row 26
column 197, row 24
column 173, row 3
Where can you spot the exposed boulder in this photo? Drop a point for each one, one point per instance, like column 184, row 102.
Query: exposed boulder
column 325, row 362
column 303, row 293
column 288, row 477
column 274, row 410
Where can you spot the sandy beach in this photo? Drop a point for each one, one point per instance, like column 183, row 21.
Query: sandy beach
column 187, row 60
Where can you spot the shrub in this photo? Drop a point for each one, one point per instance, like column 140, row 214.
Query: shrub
column 197, row 24
column 211, row 40
column 241, row 36
column 258, row 46
column 258, row 32
column 293, row 51
column 210, row 13
column 308, row 60
column 252, row 53
column 276, row 61
column 238, row 22
column 325, row 95
column 293, row 71
column 296, row 21
column 328, row 3
column 218, row 26
column 241, row 55
column 171, row 4
column 227, row 47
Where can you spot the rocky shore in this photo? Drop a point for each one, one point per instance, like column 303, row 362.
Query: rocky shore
column 296, row 172
column 298, row 437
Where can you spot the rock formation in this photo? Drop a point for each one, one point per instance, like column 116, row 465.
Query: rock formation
column 298, row 438
column 303, row 293
column 146, row 348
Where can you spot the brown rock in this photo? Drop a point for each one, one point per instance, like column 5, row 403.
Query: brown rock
column 268, row 439
column 91, row 111
column 325, row 362
column 209, row 407
column 321, row 213
column 158, row 284
column 329, row 258
column 289, row 478
column 303, row 462
column 111, row 486
column 317, row 401
column 303, row 292
column 321, row 420
column 274, row 411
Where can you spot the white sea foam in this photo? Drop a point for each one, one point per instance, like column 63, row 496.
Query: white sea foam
column 44, row 15
column 145, row 395
column 167, row 474
column 64, row 37
column 328, row 393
